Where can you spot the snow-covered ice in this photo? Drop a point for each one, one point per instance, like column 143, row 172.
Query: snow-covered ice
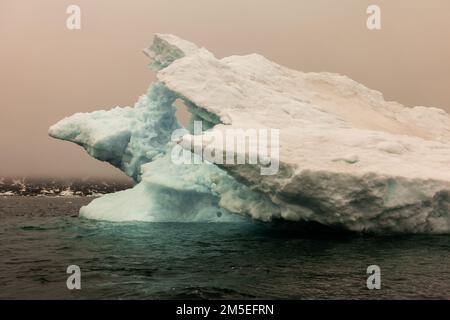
column 348, row 158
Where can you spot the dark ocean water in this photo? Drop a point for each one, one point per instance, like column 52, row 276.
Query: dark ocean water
column 41, row 236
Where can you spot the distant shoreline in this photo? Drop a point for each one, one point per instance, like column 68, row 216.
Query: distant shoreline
column 60, row 187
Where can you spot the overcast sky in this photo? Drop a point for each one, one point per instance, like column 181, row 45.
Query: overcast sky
column 48, row 72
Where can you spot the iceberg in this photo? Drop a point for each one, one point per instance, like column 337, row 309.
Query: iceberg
column 348, row 158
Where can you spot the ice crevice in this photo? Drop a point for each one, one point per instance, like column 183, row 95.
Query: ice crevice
column 348, row 158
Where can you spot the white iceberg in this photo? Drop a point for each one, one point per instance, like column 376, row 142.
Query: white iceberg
column 348, row 158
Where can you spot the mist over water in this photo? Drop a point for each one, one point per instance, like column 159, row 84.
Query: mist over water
column 41, row 236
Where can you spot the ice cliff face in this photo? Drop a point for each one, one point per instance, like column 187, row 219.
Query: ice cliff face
column 348, row 158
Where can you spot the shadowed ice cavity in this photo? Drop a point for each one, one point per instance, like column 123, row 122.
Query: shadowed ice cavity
column 138, row 142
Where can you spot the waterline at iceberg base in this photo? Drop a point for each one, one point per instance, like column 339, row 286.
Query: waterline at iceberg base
column 348, row 158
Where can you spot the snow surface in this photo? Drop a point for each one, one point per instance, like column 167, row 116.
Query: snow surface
column 348, row 158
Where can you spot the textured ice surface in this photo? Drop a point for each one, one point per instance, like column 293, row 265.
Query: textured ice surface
column 348, row 158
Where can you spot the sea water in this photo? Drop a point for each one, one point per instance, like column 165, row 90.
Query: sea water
column 41, row 236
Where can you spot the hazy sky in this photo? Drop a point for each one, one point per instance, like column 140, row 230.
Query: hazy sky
column 48, row 72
